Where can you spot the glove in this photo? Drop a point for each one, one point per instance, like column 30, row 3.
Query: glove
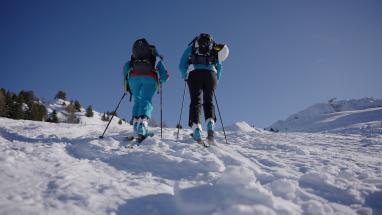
column 126, row 86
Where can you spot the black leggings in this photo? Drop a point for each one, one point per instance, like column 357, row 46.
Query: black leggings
column 201, row 81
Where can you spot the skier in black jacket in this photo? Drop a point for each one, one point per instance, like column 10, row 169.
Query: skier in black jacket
column 201, row 67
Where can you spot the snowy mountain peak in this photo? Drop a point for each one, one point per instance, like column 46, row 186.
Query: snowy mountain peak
column 350, row 116
column 333, row 106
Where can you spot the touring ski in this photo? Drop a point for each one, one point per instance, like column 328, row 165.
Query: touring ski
column 201, row 142
column 137, row 138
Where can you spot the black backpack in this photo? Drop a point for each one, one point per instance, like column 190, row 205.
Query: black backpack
column 203, row 50
column 143, row 57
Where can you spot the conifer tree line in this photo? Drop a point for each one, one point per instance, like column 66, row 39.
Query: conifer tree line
column 25, row 105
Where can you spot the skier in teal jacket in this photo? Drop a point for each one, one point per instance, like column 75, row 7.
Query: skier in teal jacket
column 201, row 66
column 143, row 74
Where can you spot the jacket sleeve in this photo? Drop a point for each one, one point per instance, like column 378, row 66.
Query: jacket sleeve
column 219, row 67
column 162, row 72
column 183, row 65
column 126, row 70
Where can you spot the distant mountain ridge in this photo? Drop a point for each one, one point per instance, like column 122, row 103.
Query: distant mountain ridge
column 345, row 116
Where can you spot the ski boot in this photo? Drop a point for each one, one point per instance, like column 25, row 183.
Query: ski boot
column 210, row 131
column 142, row 130
column 197, row 134
column 135, row 124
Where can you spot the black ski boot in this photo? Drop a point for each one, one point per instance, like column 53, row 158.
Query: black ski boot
column 140, row 138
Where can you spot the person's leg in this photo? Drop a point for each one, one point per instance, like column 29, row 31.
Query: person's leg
column 148, row 90
column 209, row 87
column 135, row 87
column 146, row 108
column 195, row 84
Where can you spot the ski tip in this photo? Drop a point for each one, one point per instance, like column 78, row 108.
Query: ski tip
column 203, row 143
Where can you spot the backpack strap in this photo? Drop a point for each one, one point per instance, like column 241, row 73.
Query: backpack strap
column 193, row 41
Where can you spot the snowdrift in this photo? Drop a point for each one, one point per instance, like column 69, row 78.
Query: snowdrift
column 49, row 168
column 242, row 127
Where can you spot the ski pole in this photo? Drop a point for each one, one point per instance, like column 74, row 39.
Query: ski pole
column 221, row 120
column 181, row 110
column 161, row 111
column 123, row 96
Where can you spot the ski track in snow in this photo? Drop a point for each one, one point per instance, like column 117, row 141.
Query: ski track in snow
column 65, row 169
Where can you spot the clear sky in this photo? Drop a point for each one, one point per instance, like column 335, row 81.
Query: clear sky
column 284, row 55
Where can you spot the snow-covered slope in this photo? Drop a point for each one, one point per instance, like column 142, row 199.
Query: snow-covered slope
column 62, row 114
column 48, row 168
column 345, row 116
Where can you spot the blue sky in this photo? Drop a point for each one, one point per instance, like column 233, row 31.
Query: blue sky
column 284, row 55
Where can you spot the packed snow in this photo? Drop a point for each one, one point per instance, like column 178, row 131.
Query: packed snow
column 345, row 116
column 48, row 168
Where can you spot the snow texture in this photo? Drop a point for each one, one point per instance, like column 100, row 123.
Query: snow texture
column 48, row 168
column 353, row 116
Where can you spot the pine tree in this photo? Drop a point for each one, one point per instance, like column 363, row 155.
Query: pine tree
column 7, row 112
column 89, row 111
column 179, row 126
column 37, row 112
column 77, row 106
column 120, row 121
column 2, row 102
column 71, row 118
column 110, row 113
column 60, row 95
column 53, row 117
column 104, row 117
column 14, row 107
column 70, row 107
column 25, row 105
column 26, row 97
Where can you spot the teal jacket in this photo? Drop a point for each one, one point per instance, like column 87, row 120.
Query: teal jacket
column 159, row 68
column 185, row 68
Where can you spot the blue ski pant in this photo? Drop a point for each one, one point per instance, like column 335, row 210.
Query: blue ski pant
column 143, row 89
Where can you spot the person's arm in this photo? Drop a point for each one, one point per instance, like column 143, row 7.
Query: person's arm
column 219, row 68
column 162, row 72
column 126, row 70
column 183, row 65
